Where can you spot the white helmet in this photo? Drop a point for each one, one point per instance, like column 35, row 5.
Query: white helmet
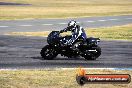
column 72, row 23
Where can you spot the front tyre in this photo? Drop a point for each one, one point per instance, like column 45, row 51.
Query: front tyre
column 48, row 53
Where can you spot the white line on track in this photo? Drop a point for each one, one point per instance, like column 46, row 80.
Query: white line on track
column 75, row 69
column 66, row 69
column 128, row 18
column 25, row 25
column 4, row 26
column 112, row 19
column 77, row 22
column 47, row 24
column 90, row 21
column 62, row 23
column 102, row 20
column 89, row 68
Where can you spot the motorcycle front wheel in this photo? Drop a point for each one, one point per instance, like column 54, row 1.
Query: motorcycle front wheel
column 48, row 53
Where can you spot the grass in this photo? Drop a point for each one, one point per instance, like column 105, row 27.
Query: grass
column 110, row 33
column 64, row 8
column 53, row 79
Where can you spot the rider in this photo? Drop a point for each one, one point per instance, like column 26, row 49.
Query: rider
column 76, row 30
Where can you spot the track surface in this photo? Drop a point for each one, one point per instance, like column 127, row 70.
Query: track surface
column 23, row 53
column 58, row 24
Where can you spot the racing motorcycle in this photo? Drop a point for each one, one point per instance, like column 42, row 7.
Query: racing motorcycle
column 89, row 49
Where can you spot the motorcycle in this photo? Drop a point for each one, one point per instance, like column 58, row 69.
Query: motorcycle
column 89, row 49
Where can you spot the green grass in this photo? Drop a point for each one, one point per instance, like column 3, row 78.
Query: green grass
column 106, row 33
column 52, row 79
column 64, row 8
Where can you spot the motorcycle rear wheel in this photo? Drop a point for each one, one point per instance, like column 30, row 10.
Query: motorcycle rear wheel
column 91, row 56
column 98, row 49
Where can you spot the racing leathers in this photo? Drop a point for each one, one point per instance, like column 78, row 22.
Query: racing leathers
column 77, row 32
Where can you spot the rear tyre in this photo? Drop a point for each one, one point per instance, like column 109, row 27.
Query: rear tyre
column 92, row 56
column 98, row 53
column 89, row 57
column 48, row 53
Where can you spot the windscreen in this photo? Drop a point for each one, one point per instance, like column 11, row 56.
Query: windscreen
column 53, row 37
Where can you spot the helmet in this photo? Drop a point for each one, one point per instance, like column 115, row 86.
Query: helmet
column 72, row 24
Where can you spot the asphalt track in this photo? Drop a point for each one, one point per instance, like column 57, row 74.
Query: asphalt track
column 17, row 52
column 23, row 53
column 58, row 24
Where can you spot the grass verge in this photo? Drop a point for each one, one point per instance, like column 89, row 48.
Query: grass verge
column 64, row 8
column 112, row 33
column 53, row 79
column 107, row 33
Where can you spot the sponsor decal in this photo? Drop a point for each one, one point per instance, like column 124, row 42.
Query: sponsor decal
column 83, row 78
